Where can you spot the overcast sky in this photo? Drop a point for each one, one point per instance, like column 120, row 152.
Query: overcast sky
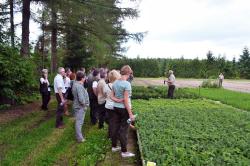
column 190, row 28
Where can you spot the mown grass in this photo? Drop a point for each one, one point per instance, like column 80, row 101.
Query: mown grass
column 33, row 140
column 192, row 132
column 236, row 99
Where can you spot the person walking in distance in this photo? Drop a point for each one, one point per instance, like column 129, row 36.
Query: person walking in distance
column 80, row 104
column 59, row 88
column 45, row 89
column 171, row 84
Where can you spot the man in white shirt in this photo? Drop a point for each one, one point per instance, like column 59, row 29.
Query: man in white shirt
column 171, row 84
column 221, row 78
column 60, row 91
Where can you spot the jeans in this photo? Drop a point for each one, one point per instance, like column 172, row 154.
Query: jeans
column 79, row 116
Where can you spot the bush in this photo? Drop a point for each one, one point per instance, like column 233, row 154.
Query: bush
column 210, row 84
column 141, row 92
column 17, row 74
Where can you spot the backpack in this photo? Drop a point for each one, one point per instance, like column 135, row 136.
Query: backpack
column 69, row 94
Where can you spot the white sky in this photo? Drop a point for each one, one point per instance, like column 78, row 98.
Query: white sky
column 187, row 28
column 190, row 28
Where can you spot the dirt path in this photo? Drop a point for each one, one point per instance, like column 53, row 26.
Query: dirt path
column 235, row 85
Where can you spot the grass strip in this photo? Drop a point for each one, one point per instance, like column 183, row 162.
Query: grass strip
column 236, row 99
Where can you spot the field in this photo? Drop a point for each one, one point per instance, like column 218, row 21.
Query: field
column 193, row 132
column 236, row 99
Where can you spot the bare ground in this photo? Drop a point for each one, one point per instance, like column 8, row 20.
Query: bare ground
column 235, row 85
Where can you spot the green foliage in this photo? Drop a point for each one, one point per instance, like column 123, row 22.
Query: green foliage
column 141, row 92
column 236, row 99
column 210, row 84
column 17, row 76
column 244, row 63
column 192, row 132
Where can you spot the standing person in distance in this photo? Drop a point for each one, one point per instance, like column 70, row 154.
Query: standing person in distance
column 171, row 84
column 121, row 95
column 60, row 91
column 45, row 89
column 221, row 78
column 80, row 104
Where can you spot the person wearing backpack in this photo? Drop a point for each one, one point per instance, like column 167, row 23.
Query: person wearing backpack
column 80, row 104
column 45, row 89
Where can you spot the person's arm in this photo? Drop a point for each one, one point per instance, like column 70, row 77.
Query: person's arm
column 80, row 96
column 114, row 98
column 61, row 94
column 127, row 106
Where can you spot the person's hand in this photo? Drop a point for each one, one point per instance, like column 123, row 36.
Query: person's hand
column 120, row 100
column 132, row 117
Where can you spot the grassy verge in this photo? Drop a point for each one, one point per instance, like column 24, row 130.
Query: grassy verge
column 193, row 132
column 33, row 140
column 236, row 99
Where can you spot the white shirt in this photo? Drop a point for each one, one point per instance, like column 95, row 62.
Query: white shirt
column 42, row 80
column 94, row 85
column 67, row 82
column 108, row 91
column 59, row 83
column 172, row 79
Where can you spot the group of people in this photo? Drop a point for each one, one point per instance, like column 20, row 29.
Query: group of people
column 107, row 93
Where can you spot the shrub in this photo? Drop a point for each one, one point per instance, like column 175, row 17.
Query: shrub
column 17, row 75
column 210, row 84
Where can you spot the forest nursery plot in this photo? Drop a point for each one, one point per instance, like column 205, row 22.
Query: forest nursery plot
column 236, row 99
column 148, row 92
column 192, row 132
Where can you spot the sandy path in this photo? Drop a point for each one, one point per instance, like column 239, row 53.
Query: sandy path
column 236, row 85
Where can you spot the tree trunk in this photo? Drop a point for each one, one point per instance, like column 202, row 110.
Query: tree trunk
column 25, row 28
column 12, row 28
column 54, row 38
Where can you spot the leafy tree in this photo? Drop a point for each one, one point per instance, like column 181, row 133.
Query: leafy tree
column 244, row 63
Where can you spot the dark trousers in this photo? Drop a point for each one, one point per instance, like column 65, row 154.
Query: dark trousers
column 109, row 115
column 119, row 128
column 171, row 91
column 59, row 111
column 93, row 110
column 45, row 100
column 101, row 114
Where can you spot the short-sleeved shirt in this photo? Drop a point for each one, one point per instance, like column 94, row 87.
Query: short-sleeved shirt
column 108, row 91
column 59, row 83
column 42, row 80
column 67, row 82
column 172, row 79
column 101, row 98
column 119, row 87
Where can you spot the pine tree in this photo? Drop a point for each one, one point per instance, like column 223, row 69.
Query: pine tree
column 244, row 63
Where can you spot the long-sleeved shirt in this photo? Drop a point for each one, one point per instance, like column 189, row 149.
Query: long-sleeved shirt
column 81, row 97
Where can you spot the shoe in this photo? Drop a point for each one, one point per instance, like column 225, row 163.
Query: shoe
column 116, row 149
column 127, row 154
column 61, row 127
column 81, row 141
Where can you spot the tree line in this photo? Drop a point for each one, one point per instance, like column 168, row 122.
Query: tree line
column 74, row 33
column 210, row 67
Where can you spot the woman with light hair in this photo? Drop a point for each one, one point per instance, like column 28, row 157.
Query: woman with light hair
column 171, row 84
column 45, row 89
column 121, row 95
column 113, row 75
